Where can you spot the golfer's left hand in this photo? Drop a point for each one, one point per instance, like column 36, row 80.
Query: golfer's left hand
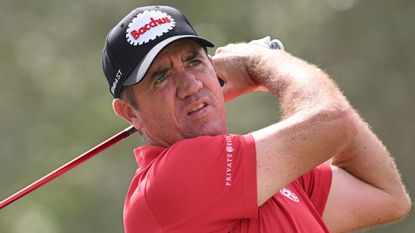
column 241, row 66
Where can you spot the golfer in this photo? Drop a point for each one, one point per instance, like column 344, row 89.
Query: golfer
column 319, row 169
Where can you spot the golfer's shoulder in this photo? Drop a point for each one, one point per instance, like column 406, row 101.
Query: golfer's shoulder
column 211, row 143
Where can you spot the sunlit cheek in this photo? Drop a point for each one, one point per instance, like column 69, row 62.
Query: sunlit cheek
column 157, row 113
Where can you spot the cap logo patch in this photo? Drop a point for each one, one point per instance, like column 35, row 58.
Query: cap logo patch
column 147, row 26
column 118, row 76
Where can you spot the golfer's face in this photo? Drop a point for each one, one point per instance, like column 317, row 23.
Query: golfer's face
column 180, row 96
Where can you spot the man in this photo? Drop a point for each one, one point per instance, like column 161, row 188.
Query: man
column 196, row 177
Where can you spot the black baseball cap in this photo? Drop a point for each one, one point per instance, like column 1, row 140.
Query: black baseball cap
column 133, row 44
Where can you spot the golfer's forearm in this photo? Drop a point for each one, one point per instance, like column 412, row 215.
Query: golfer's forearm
column 300, row 86
column 317, row 125
column 368, row 159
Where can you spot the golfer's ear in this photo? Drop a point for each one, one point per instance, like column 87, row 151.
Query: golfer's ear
column 127, row 112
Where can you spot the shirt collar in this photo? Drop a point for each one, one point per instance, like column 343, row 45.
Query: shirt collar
column 146, row 154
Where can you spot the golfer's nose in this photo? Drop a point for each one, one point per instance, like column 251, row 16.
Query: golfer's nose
column 188, row 85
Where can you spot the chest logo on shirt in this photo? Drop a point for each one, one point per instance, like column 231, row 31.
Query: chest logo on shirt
column 290, row 195
column 229, row 161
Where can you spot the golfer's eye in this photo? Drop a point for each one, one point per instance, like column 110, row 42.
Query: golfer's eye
column 161, row 78
column 195, row 62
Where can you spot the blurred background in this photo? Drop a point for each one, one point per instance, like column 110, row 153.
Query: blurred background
column 55, row 103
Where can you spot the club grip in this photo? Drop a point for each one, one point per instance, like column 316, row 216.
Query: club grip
column 268, row 43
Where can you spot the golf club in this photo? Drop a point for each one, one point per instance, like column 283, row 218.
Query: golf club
column 70, row 165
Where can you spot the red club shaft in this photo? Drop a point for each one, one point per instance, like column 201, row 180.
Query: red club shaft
column 68, row 166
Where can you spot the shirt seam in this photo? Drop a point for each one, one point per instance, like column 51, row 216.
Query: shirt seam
column 150, row 210
column 249, row 156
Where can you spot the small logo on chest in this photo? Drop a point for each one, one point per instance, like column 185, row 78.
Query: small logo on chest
column 290, row 195
column 229, row 161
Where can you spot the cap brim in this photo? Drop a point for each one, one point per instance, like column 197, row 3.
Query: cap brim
column 141, row 69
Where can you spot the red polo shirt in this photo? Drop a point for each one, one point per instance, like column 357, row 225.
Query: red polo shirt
column 208, row 184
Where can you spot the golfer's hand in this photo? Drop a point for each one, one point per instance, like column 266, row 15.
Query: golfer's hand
column 242, row 67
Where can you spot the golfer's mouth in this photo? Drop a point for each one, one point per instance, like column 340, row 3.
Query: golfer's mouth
column 197, row 108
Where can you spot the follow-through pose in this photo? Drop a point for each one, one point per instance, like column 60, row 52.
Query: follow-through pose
column 319, row 169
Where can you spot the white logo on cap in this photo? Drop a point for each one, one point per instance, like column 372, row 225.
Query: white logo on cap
column 118, row 76
column 147, row 26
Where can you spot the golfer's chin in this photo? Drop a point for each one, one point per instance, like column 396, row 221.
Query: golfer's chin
column 211, row 128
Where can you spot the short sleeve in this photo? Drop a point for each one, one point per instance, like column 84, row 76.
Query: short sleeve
column 316, row 184
column 204, row 184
